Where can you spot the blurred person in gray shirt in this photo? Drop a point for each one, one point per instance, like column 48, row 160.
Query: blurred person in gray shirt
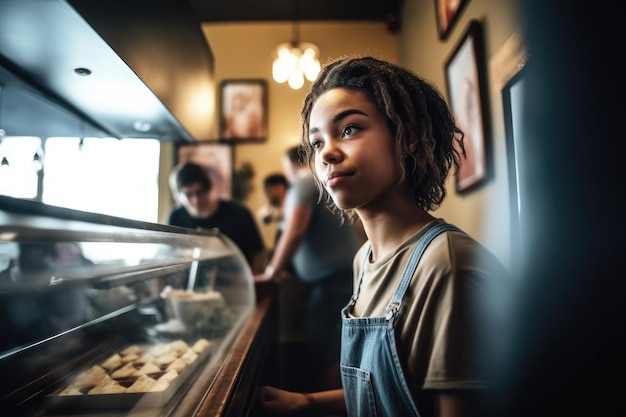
column 321, row 247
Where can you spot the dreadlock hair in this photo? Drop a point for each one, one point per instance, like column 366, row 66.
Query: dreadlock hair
column 416, row 113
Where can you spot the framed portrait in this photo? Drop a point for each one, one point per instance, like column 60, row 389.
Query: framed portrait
column 465, row 80
column 216, row 158
column 243, row 110
column 447, row 13
column 512, row 105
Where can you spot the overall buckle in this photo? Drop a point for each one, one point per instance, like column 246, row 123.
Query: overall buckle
column 392, row 310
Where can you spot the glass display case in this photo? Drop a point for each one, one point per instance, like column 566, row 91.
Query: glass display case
column 109, row 316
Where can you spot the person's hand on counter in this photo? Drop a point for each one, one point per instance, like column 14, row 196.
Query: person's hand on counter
column 270, row 274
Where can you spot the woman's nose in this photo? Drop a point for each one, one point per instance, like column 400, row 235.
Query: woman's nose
column 331, row 152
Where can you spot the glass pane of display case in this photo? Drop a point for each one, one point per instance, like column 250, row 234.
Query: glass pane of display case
column 101, row 313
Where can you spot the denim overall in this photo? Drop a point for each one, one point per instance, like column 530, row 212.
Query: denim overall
column 371, row 371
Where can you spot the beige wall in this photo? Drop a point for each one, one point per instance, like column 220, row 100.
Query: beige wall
column 244, row 51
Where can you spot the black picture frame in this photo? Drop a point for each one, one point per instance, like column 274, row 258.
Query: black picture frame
column 468, row 99
column 447, row 13
column 512, row 106
column 217, row 158
column 243, row 110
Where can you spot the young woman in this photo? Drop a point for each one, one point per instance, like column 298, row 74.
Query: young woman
column 381, row 142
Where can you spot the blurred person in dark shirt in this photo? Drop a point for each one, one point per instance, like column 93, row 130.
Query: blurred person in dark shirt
column 198, row 210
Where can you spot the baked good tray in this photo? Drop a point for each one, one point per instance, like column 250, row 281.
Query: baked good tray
column 163, row 370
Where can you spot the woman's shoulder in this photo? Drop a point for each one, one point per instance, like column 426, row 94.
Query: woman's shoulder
column 461, row 251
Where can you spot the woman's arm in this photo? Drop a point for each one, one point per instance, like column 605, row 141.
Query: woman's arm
column 456, row 404
column 283, row 402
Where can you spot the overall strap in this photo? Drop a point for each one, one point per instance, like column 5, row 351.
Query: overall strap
column 418, row 250
column 357, row 289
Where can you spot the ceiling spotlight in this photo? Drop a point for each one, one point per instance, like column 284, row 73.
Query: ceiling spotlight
column 83, row 72
column 141, row 126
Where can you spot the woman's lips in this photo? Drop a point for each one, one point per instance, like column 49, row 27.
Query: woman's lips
column 335, row 178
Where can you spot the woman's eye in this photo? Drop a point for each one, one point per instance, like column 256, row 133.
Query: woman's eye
column 349, row 130
column 315, row 144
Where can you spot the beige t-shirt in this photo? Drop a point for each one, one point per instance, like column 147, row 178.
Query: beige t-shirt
column 443, row 318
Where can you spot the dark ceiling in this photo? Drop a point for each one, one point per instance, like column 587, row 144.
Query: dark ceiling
column 212, row 11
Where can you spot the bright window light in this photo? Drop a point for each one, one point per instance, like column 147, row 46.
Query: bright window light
column 107, row 176
column 17, row 177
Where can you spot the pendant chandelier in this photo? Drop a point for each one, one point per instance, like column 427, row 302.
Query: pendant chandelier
column 294, row 61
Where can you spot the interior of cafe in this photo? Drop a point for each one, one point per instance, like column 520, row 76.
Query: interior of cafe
column 100, row 101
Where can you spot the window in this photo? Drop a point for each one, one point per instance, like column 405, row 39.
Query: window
column 18, row 177
column 99, row 175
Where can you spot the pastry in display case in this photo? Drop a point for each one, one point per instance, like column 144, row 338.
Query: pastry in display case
column 103, row 315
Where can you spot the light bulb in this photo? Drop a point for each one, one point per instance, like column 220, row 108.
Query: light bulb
column 283, row 51
column 313, row 70
column 280, row 72
column 296, row 80
column 291, row 60
column 309, row 65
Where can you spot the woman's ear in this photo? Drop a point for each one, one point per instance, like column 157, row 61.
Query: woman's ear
column 412, row 144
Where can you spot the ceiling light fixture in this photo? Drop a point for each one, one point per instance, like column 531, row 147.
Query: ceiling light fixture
column 83, row 72
column 294, row 61
column 141, row 126
column 38, row 160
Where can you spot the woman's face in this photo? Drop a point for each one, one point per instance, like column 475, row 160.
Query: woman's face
column 354, row 149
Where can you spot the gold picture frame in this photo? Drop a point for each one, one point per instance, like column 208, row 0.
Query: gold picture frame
column 243, row 110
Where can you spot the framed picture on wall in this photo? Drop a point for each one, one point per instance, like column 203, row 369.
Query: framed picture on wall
column 216, row 158
column 447, row 13
column 512, row 105
column 465, row 80
column 243, row 110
